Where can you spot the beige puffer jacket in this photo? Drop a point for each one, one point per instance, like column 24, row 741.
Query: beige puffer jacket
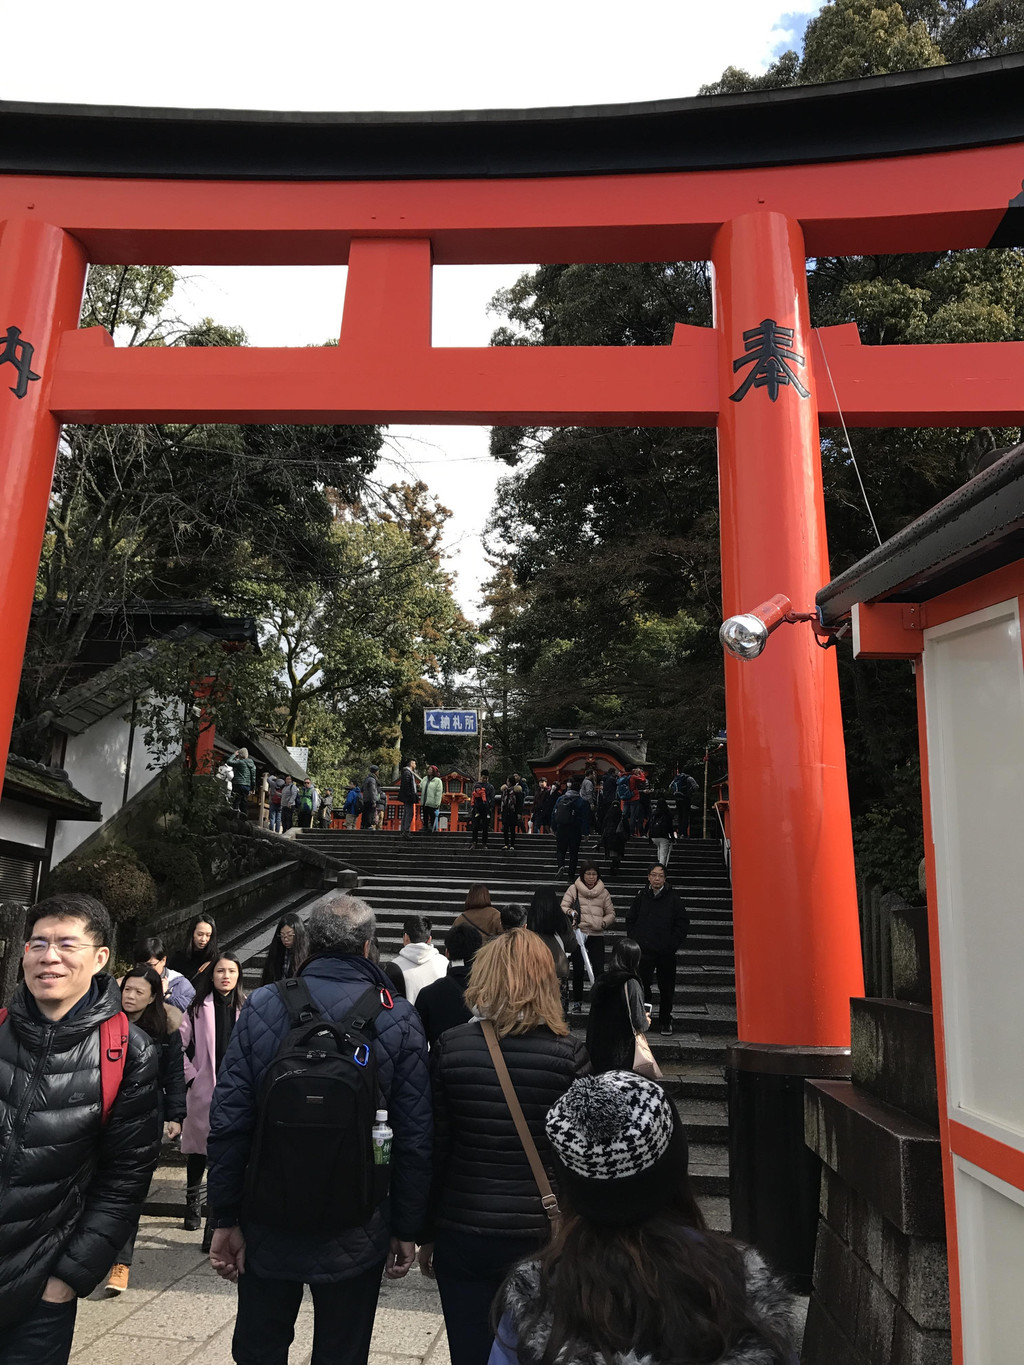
column 596, row 910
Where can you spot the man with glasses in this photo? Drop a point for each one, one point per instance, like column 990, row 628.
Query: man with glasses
column 75, row 1160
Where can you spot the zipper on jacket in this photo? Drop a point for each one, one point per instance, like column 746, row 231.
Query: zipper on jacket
column 30, row 1090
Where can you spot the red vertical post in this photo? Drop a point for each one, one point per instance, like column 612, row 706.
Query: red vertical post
column 42, row 277
column 797, row 933
column 794, row 892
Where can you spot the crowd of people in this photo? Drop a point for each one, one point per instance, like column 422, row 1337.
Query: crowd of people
column 353, row 1119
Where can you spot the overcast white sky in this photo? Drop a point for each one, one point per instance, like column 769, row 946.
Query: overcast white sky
column 382, row 55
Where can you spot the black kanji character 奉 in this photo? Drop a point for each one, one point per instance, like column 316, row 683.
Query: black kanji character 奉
column 18, row 353
column 768, row 350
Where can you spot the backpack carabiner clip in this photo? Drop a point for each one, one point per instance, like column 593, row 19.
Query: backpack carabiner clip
column 386, row 999
column 362, row 1054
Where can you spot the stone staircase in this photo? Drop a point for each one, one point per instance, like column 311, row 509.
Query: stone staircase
column 429, row 875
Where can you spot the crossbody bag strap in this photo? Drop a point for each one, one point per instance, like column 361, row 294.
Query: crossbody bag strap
column 547, row 1195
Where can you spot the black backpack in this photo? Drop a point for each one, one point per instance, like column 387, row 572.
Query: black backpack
column 566, row 814
column 312, row 1167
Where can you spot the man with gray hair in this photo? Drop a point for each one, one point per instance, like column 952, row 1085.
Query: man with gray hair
column 343, row 1265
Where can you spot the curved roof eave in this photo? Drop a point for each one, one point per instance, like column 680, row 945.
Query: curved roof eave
column 941, row 108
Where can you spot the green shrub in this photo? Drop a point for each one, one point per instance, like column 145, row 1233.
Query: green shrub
column 113, row 875
column 174, row 868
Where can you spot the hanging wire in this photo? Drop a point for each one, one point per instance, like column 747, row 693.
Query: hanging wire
column 846, row 435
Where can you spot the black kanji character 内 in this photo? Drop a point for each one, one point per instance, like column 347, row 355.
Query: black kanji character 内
column 768, row 352
column 18, row 353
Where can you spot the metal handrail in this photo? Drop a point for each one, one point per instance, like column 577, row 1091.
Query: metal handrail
column 726, row 844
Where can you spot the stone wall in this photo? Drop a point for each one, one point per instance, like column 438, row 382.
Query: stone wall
column 881, row 1288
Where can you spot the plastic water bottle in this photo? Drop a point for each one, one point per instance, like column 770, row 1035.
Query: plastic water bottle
column 382, row 1138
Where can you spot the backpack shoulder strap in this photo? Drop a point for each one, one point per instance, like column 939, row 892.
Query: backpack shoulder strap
column 3, row 1014
column 366, row 1009
column 113, row 1055
column 301, row 1007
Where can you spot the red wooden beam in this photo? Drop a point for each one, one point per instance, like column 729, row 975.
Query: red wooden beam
column 938, row 201
column 937, row 386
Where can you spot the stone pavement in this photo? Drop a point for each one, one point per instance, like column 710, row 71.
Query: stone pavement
column 176, row 1310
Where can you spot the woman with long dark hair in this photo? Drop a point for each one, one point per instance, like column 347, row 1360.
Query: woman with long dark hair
column 548, row 921
column 288, row 949
column 142, row 999
column 485, row 1207
column 205, row 1032
column 198, row 949
column 634, row 1271
column 617, row 1011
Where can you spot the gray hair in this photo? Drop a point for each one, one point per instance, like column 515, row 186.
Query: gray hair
column 340, row 923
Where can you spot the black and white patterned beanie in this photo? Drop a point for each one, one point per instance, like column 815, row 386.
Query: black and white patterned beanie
column 616, row 1139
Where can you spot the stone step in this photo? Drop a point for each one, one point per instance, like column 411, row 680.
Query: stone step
column 715, row 1209
column 704, row 1121
column 695, row 1084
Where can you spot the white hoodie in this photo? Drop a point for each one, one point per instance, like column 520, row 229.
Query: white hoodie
column 420, row 964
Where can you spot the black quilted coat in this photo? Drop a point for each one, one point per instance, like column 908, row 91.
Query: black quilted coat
column 482, row 1180
column 71, row 1189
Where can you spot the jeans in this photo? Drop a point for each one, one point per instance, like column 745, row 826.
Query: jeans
column 408, row 808
column 343, row 1313
column 42, row 1337
column 595, row 951
column 567, row 848
column 275, row 819
column 664, row 966
column 471, row 1268
column 663, row 848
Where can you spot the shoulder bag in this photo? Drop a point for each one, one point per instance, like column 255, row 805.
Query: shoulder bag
column 547, row 1195
column 644, row 1062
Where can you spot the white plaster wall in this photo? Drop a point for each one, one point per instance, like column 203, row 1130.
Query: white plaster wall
column 95, row 762
column 23, row 824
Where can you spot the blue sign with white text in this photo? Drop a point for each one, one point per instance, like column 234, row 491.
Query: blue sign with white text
column 449, row 722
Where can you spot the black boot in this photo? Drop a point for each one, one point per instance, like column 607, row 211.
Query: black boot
column 193, row 1220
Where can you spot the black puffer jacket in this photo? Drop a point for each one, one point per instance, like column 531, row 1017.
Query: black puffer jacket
column 71, row 1189
column 482, row 1180
column 658, row 923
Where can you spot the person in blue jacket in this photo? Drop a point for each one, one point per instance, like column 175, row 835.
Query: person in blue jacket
column 271, row 1264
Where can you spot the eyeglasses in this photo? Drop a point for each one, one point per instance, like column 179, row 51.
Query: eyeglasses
column 66, row 947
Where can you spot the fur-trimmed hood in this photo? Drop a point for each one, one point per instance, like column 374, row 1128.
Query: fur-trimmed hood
column 769, row 1302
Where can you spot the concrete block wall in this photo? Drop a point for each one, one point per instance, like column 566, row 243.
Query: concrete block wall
column 881, row 1289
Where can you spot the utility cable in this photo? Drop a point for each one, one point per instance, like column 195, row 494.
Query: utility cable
column 846, row 435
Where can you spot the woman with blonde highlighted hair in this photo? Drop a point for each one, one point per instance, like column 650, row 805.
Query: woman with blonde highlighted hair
column 485, row 1208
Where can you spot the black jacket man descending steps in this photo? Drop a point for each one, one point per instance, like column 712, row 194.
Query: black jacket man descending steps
column 659, row 922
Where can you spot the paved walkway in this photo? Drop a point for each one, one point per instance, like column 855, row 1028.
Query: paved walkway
column 176, row 1310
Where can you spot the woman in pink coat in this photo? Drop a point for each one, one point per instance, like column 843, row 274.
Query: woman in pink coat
column 205, row 1030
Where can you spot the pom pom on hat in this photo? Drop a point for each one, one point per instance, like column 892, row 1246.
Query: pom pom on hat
column 610, row 1127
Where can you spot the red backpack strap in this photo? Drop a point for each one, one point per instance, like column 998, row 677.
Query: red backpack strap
column 113, row 1054
column 3, row 1014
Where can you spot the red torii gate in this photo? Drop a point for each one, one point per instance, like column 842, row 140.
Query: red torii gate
column 926, row 161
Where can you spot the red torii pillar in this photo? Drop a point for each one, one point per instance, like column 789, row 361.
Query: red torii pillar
column 798, row 958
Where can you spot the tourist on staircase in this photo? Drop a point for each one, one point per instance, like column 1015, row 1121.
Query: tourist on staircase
column 659, row 922
column 178, row 990
column 591, row 912
column 686, row 791
column 485, row 1206
column 205, row 1033
column 275, row 786
column 662, row 832
column 525, row 797
column 74, row 1173
column 548, row 921
column 307, row 804
column 510, row 807
column 353, row 805
column 243, row 779
column 288, row 949
column 142, row 999
column 289, row 796
column 605, row 798
column 442, row 1004
column 617, row 1012
column 614, row 833
column 479, row 912
column 481, row 808
column 513, row 916
column 372, row 799
column 408, row 794
column 433, row 791
column 198, row 950
column 418, row 964
column 542, row 807
column 634, row 1274
column 567, row 820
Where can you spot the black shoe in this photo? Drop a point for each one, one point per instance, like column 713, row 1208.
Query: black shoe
column 576, row 1007
column 666, row 1029
column 193, row 1221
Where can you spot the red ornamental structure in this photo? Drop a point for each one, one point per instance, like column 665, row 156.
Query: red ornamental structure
column 928, row 161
